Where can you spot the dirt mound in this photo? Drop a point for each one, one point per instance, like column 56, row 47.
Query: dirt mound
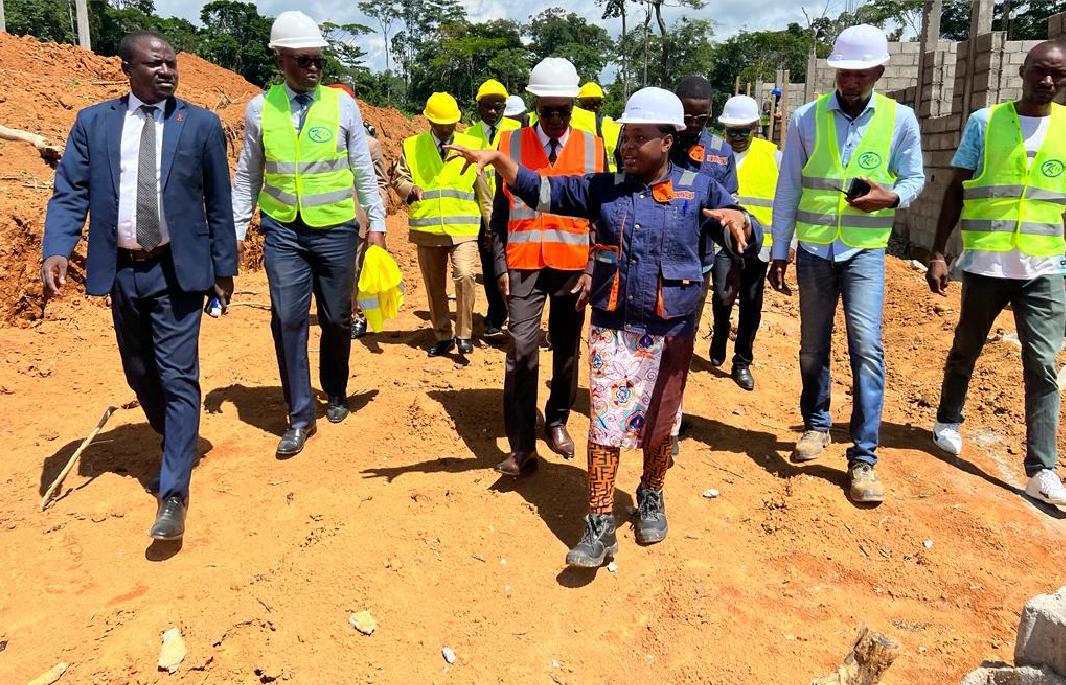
column 46, row 85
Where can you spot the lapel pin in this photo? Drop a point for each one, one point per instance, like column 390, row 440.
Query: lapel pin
column 179, row 117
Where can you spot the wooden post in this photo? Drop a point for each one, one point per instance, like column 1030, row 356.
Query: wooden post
column 82, row 8
column 748, row 91
column 786, row 76
column 736, row 86
column 3, row 19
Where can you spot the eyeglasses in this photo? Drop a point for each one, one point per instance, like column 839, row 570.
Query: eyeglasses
column 700, row 119
column 561, row 112
column 306, row 62
column 738, row 132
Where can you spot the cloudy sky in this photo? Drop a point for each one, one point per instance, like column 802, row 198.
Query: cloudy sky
column 730, row 16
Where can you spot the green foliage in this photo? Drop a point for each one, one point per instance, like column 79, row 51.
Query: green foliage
column 237, row 38
column 558, row 33
column 44, row 19
column 1021, row 19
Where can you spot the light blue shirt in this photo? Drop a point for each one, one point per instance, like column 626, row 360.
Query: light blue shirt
column 904, row 160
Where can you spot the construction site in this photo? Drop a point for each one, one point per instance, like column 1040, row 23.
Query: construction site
column 389, row 551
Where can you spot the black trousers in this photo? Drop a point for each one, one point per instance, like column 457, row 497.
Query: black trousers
column 529, row 292
column 157, row 326
column 749, row 296
column 496, row 315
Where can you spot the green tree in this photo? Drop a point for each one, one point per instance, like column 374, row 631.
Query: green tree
column 238, row 39
column 1021, row 19
column 556, row 32
column 385, row 12
column 616, row 9
column 898, row 18
column 43, row 19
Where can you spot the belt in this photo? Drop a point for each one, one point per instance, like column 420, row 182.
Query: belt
column 143, row 255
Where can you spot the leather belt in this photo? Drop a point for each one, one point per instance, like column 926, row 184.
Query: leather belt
column 143, row 255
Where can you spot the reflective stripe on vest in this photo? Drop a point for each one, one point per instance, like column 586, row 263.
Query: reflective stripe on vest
column 1014, row 204
column 757, row 176
column 305, row 173
column 536, row 238
column 824, row 215
column 503, row 126
column 449, row 204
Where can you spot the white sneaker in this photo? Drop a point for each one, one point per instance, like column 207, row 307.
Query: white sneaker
column 1046, row 487
column 947, row 437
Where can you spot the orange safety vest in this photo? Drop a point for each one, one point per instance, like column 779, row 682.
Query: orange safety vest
column 535, row 239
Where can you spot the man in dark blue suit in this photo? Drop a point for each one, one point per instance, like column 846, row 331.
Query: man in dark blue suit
column 151, row 172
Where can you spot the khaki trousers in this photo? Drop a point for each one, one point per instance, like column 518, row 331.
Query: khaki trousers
column 433, row 261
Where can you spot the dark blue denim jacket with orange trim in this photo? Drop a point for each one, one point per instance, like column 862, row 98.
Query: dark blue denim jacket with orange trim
column 646, row 262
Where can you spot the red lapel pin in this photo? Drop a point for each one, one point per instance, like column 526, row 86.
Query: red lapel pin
column 179, row 117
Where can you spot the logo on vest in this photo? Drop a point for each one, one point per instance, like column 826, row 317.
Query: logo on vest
column 1052, row 168
column 869, row 160
column 320, row 134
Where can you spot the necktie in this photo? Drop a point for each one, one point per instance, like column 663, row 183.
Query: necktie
column 304, row 100
column 492, row 134
column 553, row 150
column 148, row 232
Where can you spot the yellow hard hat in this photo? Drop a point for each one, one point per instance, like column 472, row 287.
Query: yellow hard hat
column 441, row 108
column 491, row 87
column 591, row 90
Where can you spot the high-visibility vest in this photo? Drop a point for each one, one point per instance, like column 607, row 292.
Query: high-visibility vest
column 824, row 215
column 1014, row 204
column 478, row 131
column 598, row 125
column 757, row 176
column 449, row 205
column 305, row 173
column 536, row 239
column 380, row 293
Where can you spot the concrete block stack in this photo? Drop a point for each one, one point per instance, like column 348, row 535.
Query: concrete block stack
column 1040, row 648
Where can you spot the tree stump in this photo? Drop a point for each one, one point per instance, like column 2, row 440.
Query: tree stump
column 869, row 658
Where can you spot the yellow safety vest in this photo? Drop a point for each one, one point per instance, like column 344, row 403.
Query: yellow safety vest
column 824, row 215
column 1014, row 204
column 609, row 131
column 448, row 205
column 305, row 173
column 478, row 131
column 757, row 176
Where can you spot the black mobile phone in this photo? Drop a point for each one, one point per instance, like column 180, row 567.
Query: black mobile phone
column 856, row 187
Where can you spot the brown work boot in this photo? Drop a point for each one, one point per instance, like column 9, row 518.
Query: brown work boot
column 863, row 486
column 810, row 446
column 516, row 463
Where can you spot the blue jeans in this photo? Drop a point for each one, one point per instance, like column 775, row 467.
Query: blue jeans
column 860, row 283
column 301, row 260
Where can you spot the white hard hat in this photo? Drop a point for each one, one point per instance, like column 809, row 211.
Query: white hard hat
column 295, row 30
column 553, row 77
column 739, row 110
column 654, row 106
column 859, row 47
column 514, row 106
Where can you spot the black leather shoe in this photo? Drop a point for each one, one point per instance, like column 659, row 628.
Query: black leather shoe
column 517, row 463
column 493, row 333
column 742, row 377
column 441, row 347
column 337, row 409
column 169, row 520
column 358, row 328
column 292, row 442
column 651, row 516
column 597, row 545
column 465, row 345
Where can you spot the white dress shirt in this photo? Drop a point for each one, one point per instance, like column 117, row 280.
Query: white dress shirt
column 130, row 152
column 545, row 140
column 248, row 180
